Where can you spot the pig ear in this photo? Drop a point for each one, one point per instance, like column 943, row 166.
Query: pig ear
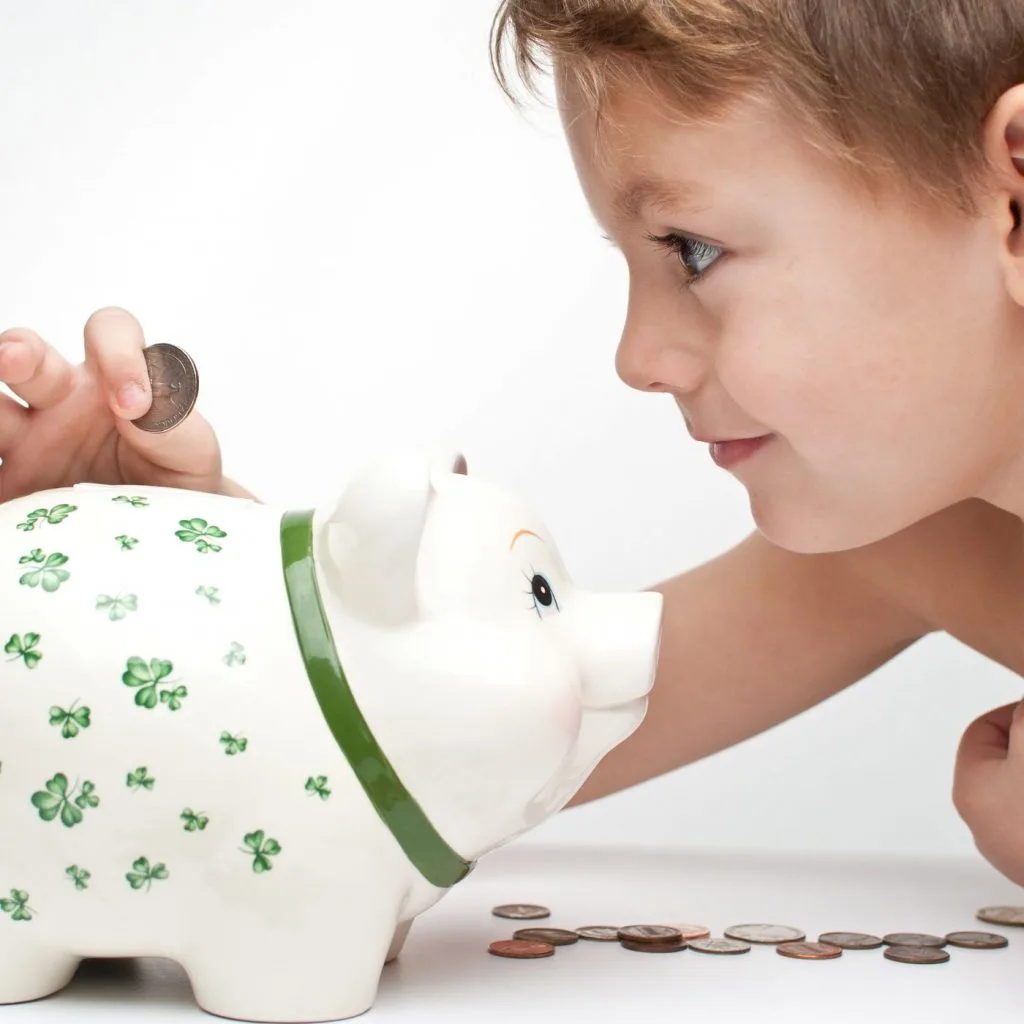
column 373, row 535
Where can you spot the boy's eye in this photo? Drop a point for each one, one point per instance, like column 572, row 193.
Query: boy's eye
column 697, row 257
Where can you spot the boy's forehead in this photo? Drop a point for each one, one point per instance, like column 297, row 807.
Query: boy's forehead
column 638, row 154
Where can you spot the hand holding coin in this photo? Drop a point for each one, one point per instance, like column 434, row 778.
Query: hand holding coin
column 174, row 383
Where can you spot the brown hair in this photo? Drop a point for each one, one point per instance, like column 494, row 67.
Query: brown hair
column 893, row 89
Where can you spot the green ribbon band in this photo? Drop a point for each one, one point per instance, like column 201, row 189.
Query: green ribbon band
column 432, row 856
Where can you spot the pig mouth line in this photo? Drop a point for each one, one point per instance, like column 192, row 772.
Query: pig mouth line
column 408, row 823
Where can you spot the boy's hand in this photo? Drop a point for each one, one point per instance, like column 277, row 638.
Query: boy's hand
column 77, row 426
column 988, row 787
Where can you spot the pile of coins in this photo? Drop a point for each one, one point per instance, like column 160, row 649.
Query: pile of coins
column 532, row 943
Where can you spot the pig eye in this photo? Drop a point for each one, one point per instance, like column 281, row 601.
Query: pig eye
column 541, row 593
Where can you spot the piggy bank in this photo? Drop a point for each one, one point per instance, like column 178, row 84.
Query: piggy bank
column 259, row 741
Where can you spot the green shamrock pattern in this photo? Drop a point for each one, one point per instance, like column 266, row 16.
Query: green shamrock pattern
column 233, row 744
column 261, row 849
column 53, row 516
column 317, row 786
column 146, row 678
column 195, row 821
column 117, row 607
column 142, row 874
column 17, row 906
column 140, row 779
column 49, row 575
column 56, row 800
column 79, row 876
column 24, row 648
column 71, row 721
column 196, row 531
column 68, row 799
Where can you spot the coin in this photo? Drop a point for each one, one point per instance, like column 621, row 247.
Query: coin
column 650, row 933
column 766, row 934
column 722, row 946
column 913, row 939
column 692, row 931
column 599, row 933
column 521, row 911
column 916, row 954
column 174, row 383
column 809, row 950
column 977, row 940
column 653, row 947
column 851, row 940
column 552, row 936
column 517, row 949
column 1012, row 916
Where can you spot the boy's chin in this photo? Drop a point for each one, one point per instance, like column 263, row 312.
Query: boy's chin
column 805, row 530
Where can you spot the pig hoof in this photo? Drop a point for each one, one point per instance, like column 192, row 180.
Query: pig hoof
column 401, row 934
column 287, row 985
column 28, row 972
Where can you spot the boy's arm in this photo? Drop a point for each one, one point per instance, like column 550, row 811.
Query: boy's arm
column 749, row 639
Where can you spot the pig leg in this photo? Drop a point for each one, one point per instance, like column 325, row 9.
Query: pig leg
column 28, row 970
column 328, row 970
column 401, row 934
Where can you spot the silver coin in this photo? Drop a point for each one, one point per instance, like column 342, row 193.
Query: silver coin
column 766, row 934
column 521, row 911
column 851, row 940
column 598, row 933
column 913, row 939
column 174, row 383
column 1012, row 916
column 720, row 946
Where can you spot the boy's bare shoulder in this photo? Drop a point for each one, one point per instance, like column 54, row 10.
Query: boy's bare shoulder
column 960, row 570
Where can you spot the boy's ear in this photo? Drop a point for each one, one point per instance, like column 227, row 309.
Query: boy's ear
column 1004, row 147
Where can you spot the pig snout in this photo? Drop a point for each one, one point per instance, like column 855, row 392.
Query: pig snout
column 616, row 638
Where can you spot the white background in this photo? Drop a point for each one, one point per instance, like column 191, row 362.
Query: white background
column 333, row 208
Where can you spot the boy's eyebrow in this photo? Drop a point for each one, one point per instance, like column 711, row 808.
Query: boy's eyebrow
column 657, row 193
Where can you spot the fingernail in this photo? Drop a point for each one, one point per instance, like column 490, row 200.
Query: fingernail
column 130, row 396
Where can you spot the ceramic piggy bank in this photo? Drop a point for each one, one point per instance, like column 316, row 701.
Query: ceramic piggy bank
column 260, row 741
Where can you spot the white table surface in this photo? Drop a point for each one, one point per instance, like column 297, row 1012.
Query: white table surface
column 446, row 974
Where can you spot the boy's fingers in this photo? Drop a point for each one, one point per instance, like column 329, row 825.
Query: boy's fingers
column 189, row 449
column 33, row 370
column 113, row 346
column 987, row 738
column 13, row 420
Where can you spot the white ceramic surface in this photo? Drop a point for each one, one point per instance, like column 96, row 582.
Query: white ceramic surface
column 171, row 784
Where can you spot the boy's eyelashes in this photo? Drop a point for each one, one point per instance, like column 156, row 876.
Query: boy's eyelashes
column 689, row 251
column 696, row 256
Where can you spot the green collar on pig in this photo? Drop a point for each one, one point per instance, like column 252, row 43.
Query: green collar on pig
column 435, row 859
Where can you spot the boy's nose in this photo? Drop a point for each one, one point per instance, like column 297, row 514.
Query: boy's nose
column 650, row 358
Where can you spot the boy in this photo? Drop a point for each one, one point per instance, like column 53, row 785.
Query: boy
column 819, row 205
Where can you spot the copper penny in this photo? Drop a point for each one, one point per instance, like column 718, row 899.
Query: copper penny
column 174, row 384
column 521, row 911
column 552, row 936
column 977, row 940
column 766, row 934
column 517, row 949
column 1012, row 916
column 913, row 939
column 650, row 933
column 916, row 954
column 809, row 950
column 851, row 940
column 724, row 947
column 692, row 931
column 599, row 933
column 653, row 947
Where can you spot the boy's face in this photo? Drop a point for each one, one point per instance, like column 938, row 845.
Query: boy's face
column 875, row 343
